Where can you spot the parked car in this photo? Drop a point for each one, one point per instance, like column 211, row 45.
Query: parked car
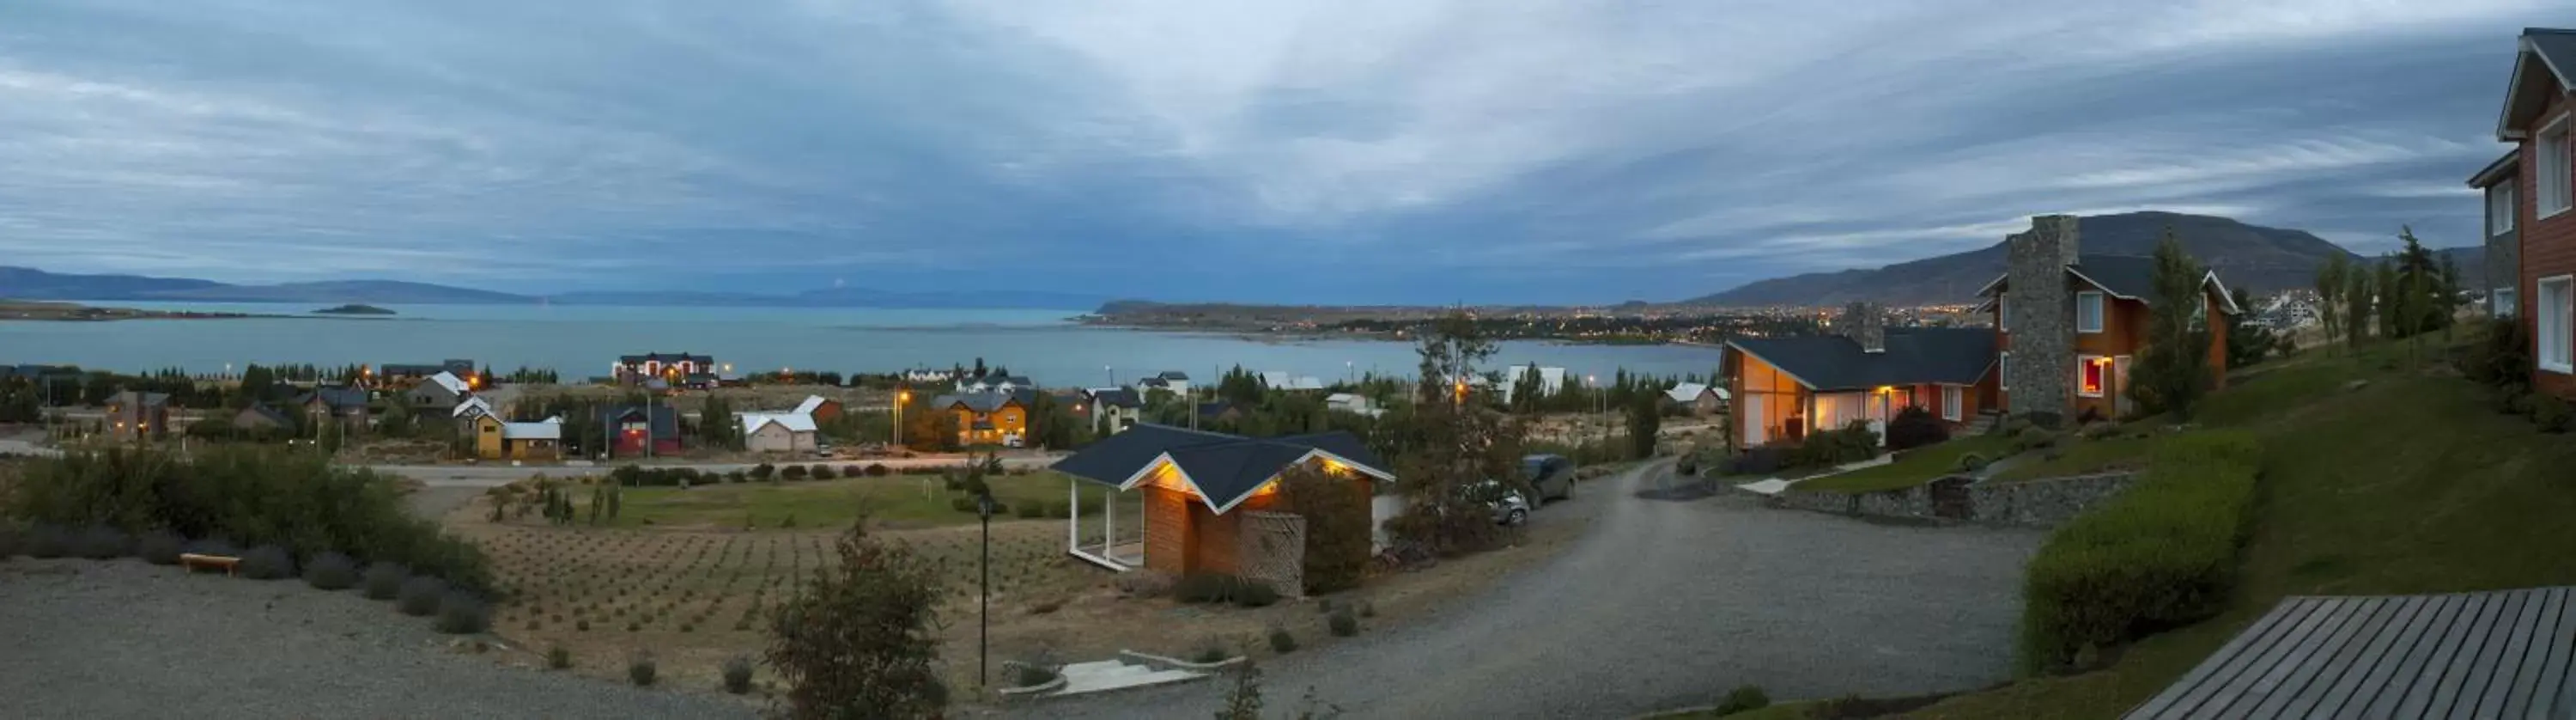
column 1551, row 476
column 1508, row 505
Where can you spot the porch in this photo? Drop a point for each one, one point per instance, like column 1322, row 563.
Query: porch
column 1104, row 543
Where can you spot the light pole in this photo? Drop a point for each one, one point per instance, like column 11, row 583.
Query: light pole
column 984, row 614
column 900, row 397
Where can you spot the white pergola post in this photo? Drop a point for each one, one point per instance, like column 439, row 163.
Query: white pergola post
column 1109, row 531
column 1073, row 515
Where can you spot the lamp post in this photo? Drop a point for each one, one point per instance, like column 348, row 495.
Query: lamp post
column 900, row 397
column 984, row 614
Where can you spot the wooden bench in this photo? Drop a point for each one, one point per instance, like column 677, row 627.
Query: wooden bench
column 194, row 562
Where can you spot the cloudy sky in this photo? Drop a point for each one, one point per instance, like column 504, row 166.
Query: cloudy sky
column 1265, row 150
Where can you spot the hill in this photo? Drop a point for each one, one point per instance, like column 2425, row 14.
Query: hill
column 34, row 284
column 2257, row 258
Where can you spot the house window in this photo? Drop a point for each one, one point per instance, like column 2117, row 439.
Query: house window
column 2503, row 302
column 2500, row 208
column 2003, row 370
column 2553, row 181
column 2088, row 375
column 2088, row 312
column 2551, row 330
column 1950, row 402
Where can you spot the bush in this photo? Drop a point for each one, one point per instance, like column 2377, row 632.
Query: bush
column 558, row 658
column 299, row 502
column 2034, row 438
column 758, row 472
column 1210, row 654
column 821, row 472
column 461, row 612
column 640, row 670
column 737, row 477
column 420, row 596
column 737, row 675
column 1142, row 583
column 1343, row 623
column 2551, row 413
column 1254, row 593
column 1742, row 699
column 962, row 504
column 2098, row 431
column 1853, row 443
column 2502, row 355
column 1032, row 510
column 2045, row 420
column 792, row 473
column 1762, row 460
column 383, row 580
column 1915, row 427
column 2013, row 426
column 2160, row 556
column 102, row 543
column 1282, row 642
column 48, row 541
column 160, row 547
column 877, row 470
column 1205, row 588
column 331, row 571
column 1971, row 462
column 267, row 562
column 852, row 471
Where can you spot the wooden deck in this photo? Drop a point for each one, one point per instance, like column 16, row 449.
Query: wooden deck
column 2471, row 655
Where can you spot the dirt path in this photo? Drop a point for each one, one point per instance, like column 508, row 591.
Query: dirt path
column 1665, row 604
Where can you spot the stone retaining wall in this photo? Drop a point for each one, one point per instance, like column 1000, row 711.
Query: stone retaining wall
column 2037, row 503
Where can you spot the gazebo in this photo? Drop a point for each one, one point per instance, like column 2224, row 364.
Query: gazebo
column 1197, row 488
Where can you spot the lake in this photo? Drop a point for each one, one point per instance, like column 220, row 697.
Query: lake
column 582, row 341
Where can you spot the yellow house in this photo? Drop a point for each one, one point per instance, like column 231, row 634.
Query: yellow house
column 988, row 418
column 497, row 440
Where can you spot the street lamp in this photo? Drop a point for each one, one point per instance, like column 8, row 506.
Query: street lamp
column 900, row 397
column 984, row 619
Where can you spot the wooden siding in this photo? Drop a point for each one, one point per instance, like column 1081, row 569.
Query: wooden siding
column 2548, row 246
column 2470, row 655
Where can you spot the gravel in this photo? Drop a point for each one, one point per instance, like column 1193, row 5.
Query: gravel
column 1664, row 605
column 120, row 639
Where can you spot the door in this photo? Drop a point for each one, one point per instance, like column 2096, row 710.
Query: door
column 1753, row 435
column 2119, row 388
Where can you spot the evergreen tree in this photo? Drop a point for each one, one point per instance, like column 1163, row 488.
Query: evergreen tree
column 1452, row 443
column 1645, row 422
column 2391, row 303
column 2247, row 341
column 1525, row 392
column 2173, row 371
column 2360, row 289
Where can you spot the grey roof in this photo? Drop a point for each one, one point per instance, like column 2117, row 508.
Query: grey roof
column 1118, row 397
column 336, row 398
column 665, row 422
column 666, row 357
column 1016, row 380
column 146, row 399
column 2497, row 171
column 2128, row 276
column 1174, row 375
column 1955, row 356
column 1227, row 468
column 273, row 416
column 986, row 401
column 2539, row 50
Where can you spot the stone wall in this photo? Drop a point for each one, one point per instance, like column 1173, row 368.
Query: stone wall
column 2040, row 315
column 2038, row 503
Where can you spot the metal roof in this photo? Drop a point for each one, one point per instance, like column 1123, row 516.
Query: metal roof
column 1225, row 468
column 1952, row 356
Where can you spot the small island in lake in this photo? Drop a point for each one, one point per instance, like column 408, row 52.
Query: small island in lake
column 353, row 309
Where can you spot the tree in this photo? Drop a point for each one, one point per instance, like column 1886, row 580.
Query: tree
column 2173, row 370
column 397, row 422
column 979, row 367
column 1526, row 391
column 2391, row 304
column 1453, row 442
column 2449, row 297
column 860, row 640
column 2332, row 281
column 2360, row 290
column 2248, row 342
column 1336, row 510
column 1645, row 420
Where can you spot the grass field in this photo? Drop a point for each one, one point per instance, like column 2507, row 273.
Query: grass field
column 1920, row 465
column 894, row 500
column 2412, row 484
column 2078, row 456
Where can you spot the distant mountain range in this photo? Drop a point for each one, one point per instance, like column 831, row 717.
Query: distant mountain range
column 32, row 284
column 2259, row 259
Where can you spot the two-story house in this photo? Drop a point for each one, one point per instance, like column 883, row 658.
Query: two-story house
column 670, row 368
column 989, row 418
column 1114, row 409
column 404, row 374
column 2070, row 324
column 634, row 428
column 438, row 394
column 2500, row 184
column 2537, row 188
column 345, row 405
column 138, row 416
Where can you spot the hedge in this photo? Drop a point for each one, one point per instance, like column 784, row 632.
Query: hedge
column 2160, row 556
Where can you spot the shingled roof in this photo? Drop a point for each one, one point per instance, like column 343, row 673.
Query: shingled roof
column 1951, row 356
column 2131, row 277
column 1224, row 469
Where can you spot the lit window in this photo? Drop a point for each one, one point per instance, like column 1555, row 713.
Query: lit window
column 2088, row 312
column 2500, row 207
column 2551, row 335
column 2088, row 375
column 2553, row 181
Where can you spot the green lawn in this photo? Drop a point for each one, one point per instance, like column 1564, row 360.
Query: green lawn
column 914, row 500
column 2412, row 484
column 1920, row 465
column 2078, row 456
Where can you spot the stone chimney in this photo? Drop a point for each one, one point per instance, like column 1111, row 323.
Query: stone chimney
column 1864, row 323
column 2040, row 315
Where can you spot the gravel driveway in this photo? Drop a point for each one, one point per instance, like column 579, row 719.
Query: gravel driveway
column 123, row 639
column 1667, row 604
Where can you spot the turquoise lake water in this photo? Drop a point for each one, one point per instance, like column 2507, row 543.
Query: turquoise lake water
column 581, row 341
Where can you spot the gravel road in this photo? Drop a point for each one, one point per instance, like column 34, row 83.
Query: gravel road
column 1667, row 604
column 123, row 639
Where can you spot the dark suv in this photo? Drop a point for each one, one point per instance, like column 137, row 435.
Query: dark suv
column 1550, row 476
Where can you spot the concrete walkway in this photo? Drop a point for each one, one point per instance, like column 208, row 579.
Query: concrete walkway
column 1663, row 605
column 1773, row 486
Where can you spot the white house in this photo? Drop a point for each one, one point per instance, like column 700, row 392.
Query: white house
column 1351, row 403
column 994, row 384
column 777, row 432
column 1114, row 409
column 1175, row 381
column 1278, row 380
column 1702, row 399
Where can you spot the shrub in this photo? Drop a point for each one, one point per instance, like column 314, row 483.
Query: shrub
column 2013, row 426
column 2034, row 438
column 1343, row 623
column 821, row 472
column 1143, row 583
column 1762, row 460
column 267, row 562
column 962, row 504
column 1254, row 593
column 2159, row 556
column 2099, row 431
column 763, row 471
column 2045, row 420
column 1033, row 675
column 101, row 543
column 1281, row 641
column 1210, row 655
column 1206, row 588
column 1368, row 609
column 737, row 675
column 792, row 473
column 1032, row 510
column 160, row 547
column 639, row 669
column 558, row 658
column 383, row 580
column 2502, row 355
column 331, row 571
column 2551, row 413
column 48, row 541
column 1742, row 699
column 877, row 470
column 420, row 596
column 1915, row 427
column 461, row 612
column 1971, row 462
column 1853, row 443
column 737, row 477
column 1338, row 526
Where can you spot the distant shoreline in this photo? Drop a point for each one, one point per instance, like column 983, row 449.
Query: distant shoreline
column 51, row 311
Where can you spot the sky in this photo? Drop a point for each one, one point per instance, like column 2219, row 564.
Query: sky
column 1304, row 151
